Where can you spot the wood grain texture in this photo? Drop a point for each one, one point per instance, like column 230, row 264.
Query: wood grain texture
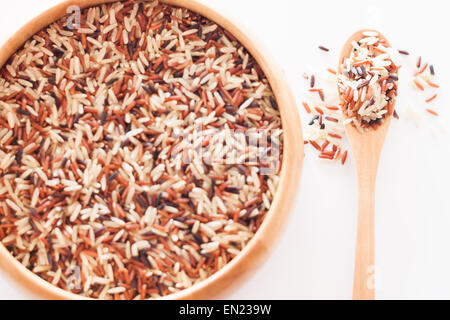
column 366, row 150
column 261, row 245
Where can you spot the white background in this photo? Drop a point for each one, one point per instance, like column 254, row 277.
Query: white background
column 314, row 257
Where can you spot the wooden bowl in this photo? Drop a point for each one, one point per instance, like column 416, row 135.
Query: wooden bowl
column 258, row 248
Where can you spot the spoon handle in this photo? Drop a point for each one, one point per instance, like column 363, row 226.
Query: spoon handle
column 363, row 282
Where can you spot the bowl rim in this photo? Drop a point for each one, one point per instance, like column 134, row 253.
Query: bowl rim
column 260, row 245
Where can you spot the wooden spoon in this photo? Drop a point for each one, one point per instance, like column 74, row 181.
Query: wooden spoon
column 366, row 149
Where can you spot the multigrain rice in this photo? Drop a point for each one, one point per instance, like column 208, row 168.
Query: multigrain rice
column 326, row 116
column 324, row 130
column 102, row 191
column 368, row 81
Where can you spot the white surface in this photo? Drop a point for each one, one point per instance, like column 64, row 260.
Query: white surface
column 314, row 257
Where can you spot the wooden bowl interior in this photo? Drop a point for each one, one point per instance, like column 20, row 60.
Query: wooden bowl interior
column 259, row 247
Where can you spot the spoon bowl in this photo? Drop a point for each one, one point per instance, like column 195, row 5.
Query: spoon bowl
column 381, row 130
column 366, row 149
